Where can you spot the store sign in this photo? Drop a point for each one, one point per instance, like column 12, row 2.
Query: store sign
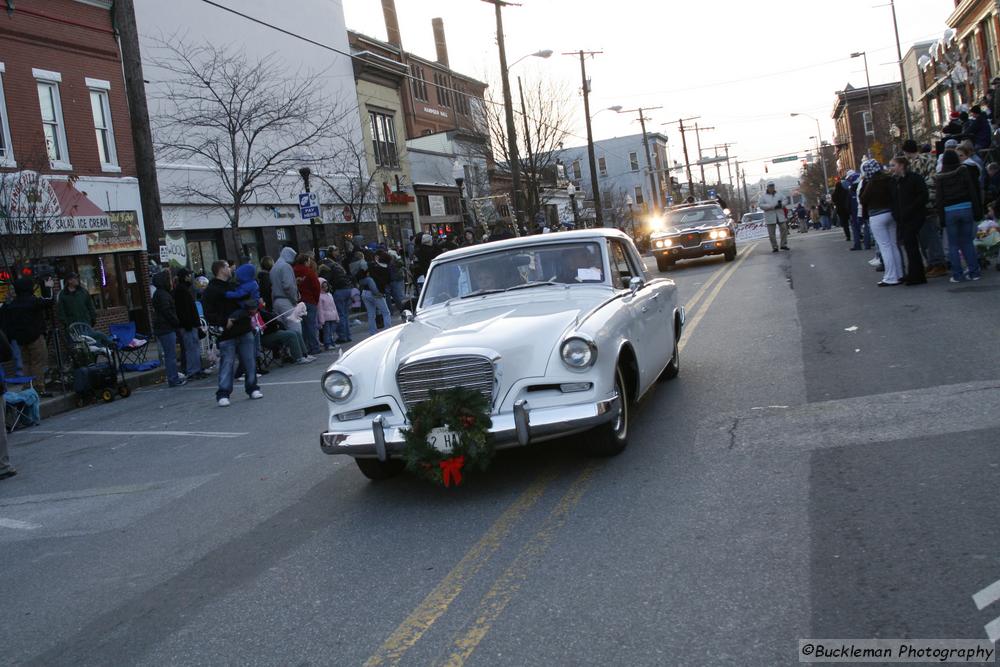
column 176, row 245
column 436, row 203
column 123, row 236
column 34, row 203
column 435, row 112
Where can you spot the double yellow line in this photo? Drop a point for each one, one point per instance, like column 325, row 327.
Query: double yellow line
column 492, row 604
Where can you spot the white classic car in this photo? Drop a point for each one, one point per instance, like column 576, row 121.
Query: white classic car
column 560, row 332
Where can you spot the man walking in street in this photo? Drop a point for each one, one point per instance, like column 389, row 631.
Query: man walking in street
column 773, row 209
column 236, row 336
column 925, row 166
column 284, row 289
column 75, row 304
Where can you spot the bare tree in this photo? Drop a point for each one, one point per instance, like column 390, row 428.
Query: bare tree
column 250, row 122
column 811, row 178
column 548, row 115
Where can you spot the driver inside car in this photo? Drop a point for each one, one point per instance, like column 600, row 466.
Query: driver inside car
column 579, row 265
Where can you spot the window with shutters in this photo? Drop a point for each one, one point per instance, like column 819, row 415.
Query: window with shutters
column 383, row 139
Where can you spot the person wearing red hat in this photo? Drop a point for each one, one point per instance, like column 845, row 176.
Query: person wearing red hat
column 954, row 127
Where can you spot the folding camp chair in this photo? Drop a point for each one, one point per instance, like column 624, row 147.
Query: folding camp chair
column 17, row 409
column 130, row 345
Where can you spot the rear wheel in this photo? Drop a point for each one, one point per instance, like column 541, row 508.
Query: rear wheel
column 611, row 438
column 378, row 470
column 663, row 263
column 124, row 391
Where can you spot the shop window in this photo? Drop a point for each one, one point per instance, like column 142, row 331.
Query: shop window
column 100, row 108
column 201, row 255
column 251, row 247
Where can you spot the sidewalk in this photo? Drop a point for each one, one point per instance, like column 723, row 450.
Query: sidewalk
column 64, row 402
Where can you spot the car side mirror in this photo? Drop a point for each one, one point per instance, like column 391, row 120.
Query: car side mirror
column 635, row 284
column 407, row 315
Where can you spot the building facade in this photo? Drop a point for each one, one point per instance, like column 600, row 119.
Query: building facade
column 622, row 175
column 860, row 130
column 67, row 167
column 197, row 233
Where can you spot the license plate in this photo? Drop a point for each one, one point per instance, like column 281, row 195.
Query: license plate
column 442, row 440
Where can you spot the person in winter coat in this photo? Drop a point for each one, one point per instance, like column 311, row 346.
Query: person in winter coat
column 23, row 320
column 341, row 288
column 876, row 198
column 327, row 316
column 771, row 205
column 909, row 204
column 397, row 280
column 374, row 301
column 236, row 336
column 75, row 304
column 925, row 165
column 264, row 280
column 842, row 203
column 979, row 128
column 426, row 252
column 284, row 289
column 166, row 324
column 308, row 283
column 6, row 469
column 960, row 205
column 190, row 323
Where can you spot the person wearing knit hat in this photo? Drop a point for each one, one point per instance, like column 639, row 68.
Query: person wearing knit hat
column 876, row 197
column 959, row 202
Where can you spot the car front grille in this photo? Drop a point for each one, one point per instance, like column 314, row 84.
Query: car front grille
column 417, row 379
column 692, row 240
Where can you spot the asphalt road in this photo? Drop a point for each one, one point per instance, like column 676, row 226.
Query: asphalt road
column 827, row 465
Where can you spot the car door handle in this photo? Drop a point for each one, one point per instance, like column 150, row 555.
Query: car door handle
column 644, row 309
column 656, row 295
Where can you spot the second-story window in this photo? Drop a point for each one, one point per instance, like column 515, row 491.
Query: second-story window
column 638, row 196
column 633, row 161
column 867, row 119
column 53, row 126
column 443, row 91
column 101, row 110
column 384, row 139
column 602, row 166
column 577, row 172
column 6, row 150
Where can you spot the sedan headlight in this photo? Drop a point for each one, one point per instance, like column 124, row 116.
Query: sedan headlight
column 663, row 243
column 578, row 352
column 337, row 386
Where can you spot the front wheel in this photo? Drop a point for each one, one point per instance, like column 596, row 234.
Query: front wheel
column 664, row 264
column 730, row 255
column 379, row 470
column 611, row 439
column 673, row 368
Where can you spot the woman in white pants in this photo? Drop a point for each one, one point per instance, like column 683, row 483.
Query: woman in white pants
column 876, row 197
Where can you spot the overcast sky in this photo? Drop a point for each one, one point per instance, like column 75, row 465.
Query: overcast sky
column 741, row 66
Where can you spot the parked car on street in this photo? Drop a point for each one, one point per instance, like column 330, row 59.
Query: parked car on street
column 562, row 333
column 754, row 217
column 694, row 230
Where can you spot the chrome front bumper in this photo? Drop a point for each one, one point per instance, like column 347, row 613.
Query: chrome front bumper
column 518, row 428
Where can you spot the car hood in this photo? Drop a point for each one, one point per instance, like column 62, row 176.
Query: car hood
column 522, row 332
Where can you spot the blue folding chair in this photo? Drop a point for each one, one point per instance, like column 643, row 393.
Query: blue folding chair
column 18, row 404
column 131, row 346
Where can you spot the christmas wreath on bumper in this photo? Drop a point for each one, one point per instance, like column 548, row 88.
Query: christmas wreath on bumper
column 448, row 432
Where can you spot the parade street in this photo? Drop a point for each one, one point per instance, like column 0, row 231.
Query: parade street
column 826, row 465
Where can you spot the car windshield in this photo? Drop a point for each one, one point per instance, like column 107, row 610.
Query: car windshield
column 686, row 218
column 514, row 268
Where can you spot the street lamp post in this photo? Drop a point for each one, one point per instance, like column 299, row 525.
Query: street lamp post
column 902, row 75
column 631, row 217
column 868, row 84
column 533, row 178
column 305, row 172
column 571, row 191
column 819, row 151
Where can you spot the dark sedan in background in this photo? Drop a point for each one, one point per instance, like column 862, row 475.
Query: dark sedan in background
column 694, row 230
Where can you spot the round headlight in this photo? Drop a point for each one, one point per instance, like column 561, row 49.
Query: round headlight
column 723, row 233
column 578, row 353
column 659, row 244
column 667, row 243
column 337, row 386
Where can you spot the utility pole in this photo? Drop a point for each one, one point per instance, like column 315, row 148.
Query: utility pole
column 123, row 15
column 687, row 161
column 594, row 185
column 697, row 136
column 902, row 74
column 729, row 167
column 654, row 184
column 515, row 175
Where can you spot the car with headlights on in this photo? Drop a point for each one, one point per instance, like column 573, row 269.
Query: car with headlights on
column 694, row 230
column 561, row 333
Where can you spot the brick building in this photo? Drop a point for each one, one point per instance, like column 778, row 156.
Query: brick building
column 67, row 171
column 857, row 132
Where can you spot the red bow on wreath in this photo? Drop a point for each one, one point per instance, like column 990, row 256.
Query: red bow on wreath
column 451, row 470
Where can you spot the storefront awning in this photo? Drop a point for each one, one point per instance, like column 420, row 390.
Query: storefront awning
column 31, row 203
